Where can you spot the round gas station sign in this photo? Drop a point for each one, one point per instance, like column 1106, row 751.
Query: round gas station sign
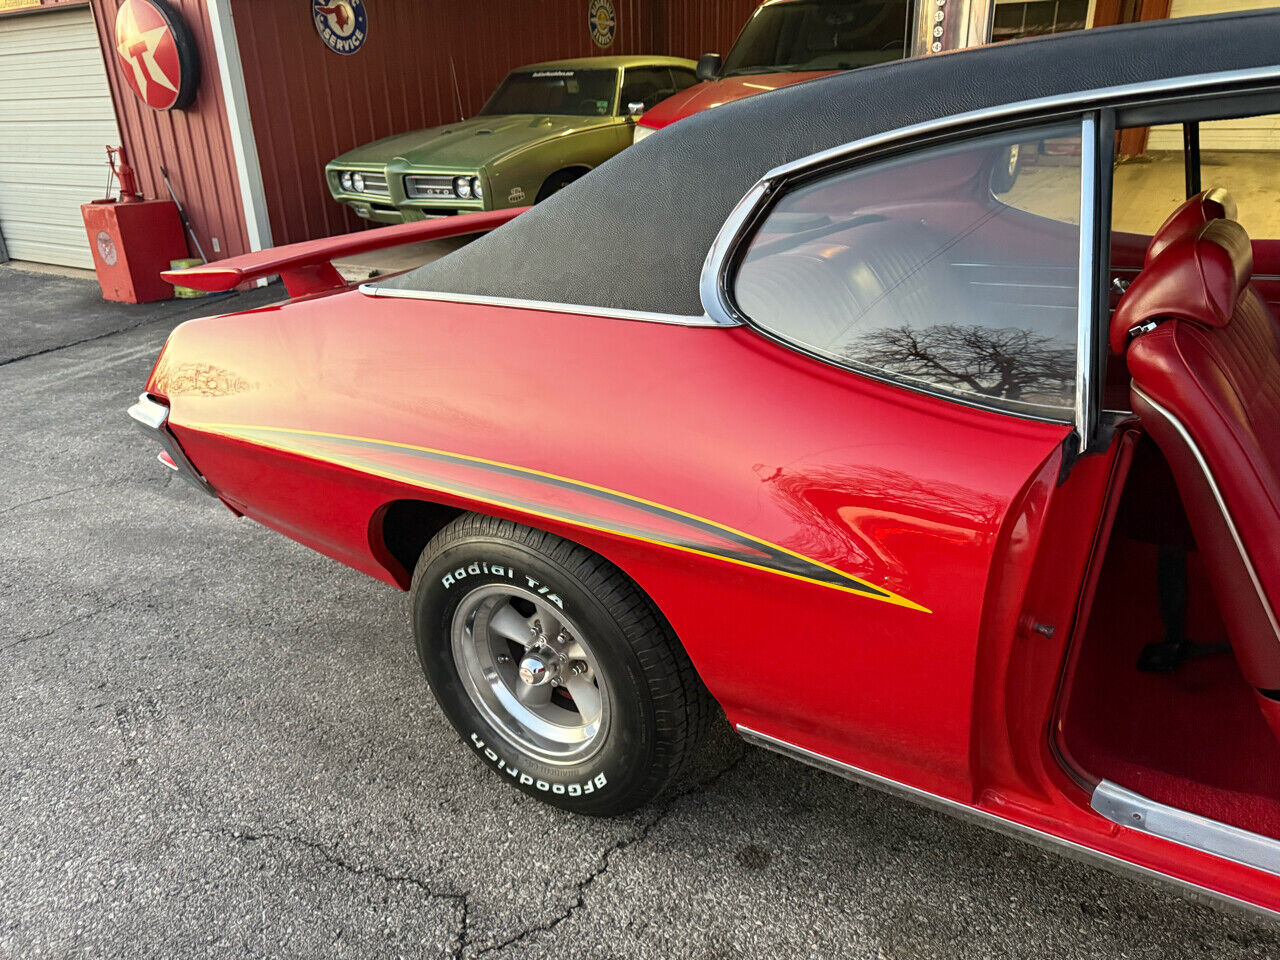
column 343, row 24
column 157, row 54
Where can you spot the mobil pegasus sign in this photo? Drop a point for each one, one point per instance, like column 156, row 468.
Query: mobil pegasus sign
column 342, row 24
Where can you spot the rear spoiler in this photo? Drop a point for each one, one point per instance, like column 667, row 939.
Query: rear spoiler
column 307, row 267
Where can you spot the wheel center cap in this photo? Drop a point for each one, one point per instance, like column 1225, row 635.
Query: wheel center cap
column 535, row 670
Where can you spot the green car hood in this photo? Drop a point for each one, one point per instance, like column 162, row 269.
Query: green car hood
column 469, row 144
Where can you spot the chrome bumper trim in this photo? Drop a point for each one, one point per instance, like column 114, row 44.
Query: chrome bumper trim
column 152, row 418
column 1045, row 841
column 1136, row 812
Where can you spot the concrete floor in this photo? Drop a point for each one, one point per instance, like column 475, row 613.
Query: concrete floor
column 1145, row 191
column 215, row 743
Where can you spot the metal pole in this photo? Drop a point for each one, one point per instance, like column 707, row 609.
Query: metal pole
column 1191, row 156
column 4, row 251
column 951, row 25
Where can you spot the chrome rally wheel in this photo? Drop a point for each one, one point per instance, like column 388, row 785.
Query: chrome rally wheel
column 554, row 667
column 528, row 671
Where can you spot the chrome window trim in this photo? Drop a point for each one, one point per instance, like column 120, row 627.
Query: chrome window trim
column 1086, row 404
column 515, row 303
column 714, row 280
column 1137, row 812
column 1027, row 109
column 1010, row 828
column 713, row 286
column 1218, row 498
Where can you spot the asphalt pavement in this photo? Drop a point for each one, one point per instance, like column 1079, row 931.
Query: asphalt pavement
column 214, row 742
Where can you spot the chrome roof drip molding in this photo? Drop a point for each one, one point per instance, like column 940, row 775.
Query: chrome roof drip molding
column 514, row 303
column 713, row 283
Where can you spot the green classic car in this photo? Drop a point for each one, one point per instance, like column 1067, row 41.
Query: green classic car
column 546, row 125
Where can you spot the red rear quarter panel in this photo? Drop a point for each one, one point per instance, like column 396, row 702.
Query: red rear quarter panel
column 903, row 492
column 311, row 416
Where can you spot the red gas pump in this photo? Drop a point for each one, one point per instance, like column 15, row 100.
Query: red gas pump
column 132, row 239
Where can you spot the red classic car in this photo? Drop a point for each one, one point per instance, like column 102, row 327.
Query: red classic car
column 835, row 423
column 786, row 42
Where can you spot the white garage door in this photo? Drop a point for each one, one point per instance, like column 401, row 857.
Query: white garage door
column 55, row 119
column 1253, row 133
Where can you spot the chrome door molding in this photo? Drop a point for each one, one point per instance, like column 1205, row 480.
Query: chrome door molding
column 1136, row 812
column 964, row 811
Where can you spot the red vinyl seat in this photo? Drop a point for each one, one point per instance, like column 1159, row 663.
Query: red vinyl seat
column 1215, row 203
column 1204, row 356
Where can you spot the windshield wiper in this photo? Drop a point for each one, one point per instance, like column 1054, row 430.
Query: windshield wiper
column 749, row 71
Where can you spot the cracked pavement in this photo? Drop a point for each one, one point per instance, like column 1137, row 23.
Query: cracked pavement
column 214, row 742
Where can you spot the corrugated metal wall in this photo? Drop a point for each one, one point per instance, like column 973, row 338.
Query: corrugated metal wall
column 690, row 28
column 309, row 104
column 194, row 144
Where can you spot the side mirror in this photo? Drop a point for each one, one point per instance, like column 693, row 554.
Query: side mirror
column 708, row 66
column 635, row 108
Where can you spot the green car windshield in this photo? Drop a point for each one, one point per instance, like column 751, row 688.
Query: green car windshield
column 577, row 93
column 820, row 35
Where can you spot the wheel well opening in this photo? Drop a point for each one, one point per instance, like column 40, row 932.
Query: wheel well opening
column 577, row 169
column 401, row 530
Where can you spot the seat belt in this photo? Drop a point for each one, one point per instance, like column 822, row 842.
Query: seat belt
column 1167, row 655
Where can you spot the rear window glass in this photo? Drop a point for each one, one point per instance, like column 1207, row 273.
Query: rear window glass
column 952, row 269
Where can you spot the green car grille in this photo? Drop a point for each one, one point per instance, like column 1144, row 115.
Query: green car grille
column 429, row 186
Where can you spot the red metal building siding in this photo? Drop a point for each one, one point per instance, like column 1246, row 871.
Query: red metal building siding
column 193, row 144
column 309, row 104
column 690, row 28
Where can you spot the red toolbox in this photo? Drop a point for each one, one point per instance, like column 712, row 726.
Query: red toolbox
column 132, row 243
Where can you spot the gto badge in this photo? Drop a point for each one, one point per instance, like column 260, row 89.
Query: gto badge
column 342, row 24
column 516, row 195
column 602, row 21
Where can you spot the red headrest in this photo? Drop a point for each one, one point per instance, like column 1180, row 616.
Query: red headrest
column 1198, row 277
column 1193, row 213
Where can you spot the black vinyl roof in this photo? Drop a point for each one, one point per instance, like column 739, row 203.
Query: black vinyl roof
column 633, row 234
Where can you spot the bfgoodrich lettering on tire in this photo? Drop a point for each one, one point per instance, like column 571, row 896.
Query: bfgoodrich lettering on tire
column 554, row 667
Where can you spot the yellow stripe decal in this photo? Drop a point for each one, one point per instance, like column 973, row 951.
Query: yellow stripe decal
column 715, row 541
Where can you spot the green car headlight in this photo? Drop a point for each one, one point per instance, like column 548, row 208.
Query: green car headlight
column 462, row 188
column 357, row 181
column 345, row 180
column 477, row 188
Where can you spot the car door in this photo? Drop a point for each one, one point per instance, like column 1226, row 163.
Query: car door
column 922, row 312
column 645, row 86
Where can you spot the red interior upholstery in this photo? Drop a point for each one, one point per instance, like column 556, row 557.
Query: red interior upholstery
column 1206, row 385
column 1211, row 204
column 1194, row 212
column 1198, row 277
